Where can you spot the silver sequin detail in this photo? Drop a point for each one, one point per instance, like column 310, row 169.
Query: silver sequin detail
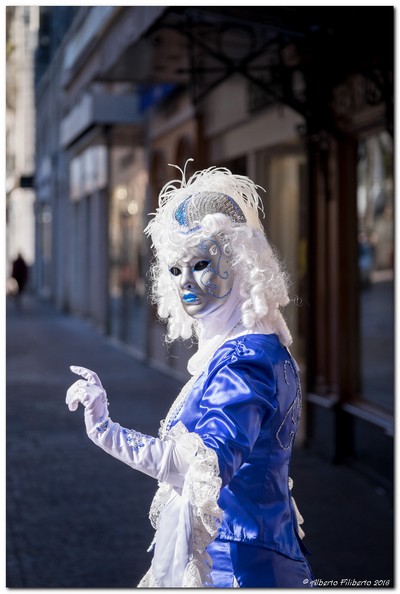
column 293, row 413
column 194, row 208
column 137, row 440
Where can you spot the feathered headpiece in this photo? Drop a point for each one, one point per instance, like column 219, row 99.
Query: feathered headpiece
column 184, row 204
column 189, row 209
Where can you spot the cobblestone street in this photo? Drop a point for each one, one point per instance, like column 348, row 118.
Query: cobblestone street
column 77, row 518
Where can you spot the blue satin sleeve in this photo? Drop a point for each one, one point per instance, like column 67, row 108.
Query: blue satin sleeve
column 240, row 392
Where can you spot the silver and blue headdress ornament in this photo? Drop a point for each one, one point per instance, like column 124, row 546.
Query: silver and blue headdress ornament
column 195, row 207
column 184, row 204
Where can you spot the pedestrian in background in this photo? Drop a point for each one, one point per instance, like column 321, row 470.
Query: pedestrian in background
column 223, row 513
column 20, row 274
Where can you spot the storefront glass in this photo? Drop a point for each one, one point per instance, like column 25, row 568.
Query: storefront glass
column 285, row 222
column 126, row 279
column 376, row 268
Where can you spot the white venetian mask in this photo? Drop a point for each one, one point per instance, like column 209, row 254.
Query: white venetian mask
column 203, row 278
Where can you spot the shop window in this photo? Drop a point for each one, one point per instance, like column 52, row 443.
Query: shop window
column 285, row 229
column 127, row 218
column 375, row 269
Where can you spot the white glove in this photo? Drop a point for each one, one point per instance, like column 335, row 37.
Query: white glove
column 167, row 461
column 91, row 394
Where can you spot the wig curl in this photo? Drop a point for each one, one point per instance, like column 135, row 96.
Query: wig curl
column 262, row 280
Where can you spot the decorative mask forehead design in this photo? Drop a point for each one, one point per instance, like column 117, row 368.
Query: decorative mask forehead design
column 194, row 208
column 203, row 277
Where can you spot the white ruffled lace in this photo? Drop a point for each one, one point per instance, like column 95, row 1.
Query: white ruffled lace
column 200, row 526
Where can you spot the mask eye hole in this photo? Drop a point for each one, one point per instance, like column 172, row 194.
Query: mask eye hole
column 175, row 271
column 201, row 265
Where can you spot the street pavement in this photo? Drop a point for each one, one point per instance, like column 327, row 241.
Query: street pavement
column 77, row 518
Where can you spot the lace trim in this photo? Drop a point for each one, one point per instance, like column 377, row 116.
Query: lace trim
column 202, row 486
column 201, row 489
column 148, row 581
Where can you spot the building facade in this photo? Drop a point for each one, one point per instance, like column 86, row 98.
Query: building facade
column 22, row 27
column 301, row 101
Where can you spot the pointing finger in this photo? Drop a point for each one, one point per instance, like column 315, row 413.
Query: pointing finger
column 89, row 375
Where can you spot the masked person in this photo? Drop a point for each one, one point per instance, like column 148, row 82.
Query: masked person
column 223, row 513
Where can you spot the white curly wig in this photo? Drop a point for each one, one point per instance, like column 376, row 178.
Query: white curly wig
column 262, row 281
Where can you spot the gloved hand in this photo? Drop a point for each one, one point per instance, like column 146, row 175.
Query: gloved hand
column 168, row 461
column 91, row 394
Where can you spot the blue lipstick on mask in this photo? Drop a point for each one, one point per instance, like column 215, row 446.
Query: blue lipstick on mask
column 189, row 297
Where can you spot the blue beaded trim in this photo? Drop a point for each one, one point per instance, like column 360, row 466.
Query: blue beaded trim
column 181, row 213
column 103, row 425
column 137, row 440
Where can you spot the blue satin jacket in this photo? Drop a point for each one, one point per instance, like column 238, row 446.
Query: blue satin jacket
column 246, row 407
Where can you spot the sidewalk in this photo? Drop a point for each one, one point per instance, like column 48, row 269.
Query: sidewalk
column 77, row 518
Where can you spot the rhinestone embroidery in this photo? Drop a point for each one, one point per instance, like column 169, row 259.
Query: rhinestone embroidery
column 137, row 440
column 294, row 411
column 241, row 349
column 103, row 425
